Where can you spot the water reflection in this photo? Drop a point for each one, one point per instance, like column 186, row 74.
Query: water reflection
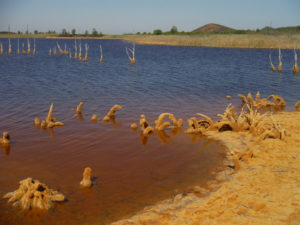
column 163, row 137
column 144, row 138
column 51, row 132
column 6, row 149
column 79, row 115
column 112, row 120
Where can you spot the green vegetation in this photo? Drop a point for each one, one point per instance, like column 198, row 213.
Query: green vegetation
column 157, row 32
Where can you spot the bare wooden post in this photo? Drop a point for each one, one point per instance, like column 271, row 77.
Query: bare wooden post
column 132, row 55
column 34, row 47
column 80, row 55
column 59, row 48
column 272, row 65
column 65, row 51
column 18, row 51
column 75, row 53
column 28, row 47
column 23, row 48
column 86, row 57
column 1, row 49
column 279, row 61
column 101, row 55
column 9, row 47
column 295, row 67
column 50, row 113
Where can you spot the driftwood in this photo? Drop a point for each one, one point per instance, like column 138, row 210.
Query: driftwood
column 161, row 124
column 49, row 121
column 33, row 194
column 111, row 113
column 79, row 107
column 249, row 120
column 271, row 102
column 145, row 127
column 86, row 179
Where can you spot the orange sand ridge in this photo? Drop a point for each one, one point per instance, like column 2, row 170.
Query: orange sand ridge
column 264, row 190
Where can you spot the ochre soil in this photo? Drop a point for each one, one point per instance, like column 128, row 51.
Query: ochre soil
column 263, row 189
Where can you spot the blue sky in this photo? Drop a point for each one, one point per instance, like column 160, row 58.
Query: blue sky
column 121, row 16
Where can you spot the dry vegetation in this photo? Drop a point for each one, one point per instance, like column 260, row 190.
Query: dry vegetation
column 33, row 194
column 220, row 40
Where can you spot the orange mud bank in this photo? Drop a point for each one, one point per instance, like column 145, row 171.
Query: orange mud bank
column 265, row 189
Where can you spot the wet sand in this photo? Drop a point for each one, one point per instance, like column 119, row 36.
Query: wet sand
column 264, row 190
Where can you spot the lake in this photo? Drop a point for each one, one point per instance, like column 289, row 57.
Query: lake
column 130, row 172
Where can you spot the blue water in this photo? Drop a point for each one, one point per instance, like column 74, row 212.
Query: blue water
column 182, row 80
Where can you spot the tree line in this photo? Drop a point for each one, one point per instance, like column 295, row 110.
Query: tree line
column 64, row 33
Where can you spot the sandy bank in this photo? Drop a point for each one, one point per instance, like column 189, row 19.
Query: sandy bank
column 264, row 190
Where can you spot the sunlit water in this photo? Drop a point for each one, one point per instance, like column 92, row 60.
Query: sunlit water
column 130, row 172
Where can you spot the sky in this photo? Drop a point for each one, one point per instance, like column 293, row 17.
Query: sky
column 131, row 16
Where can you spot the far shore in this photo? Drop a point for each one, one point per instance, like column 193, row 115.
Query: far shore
column 264, row 190
column 255, row 41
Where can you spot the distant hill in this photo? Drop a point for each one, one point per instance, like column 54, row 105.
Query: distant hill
column 213, row 28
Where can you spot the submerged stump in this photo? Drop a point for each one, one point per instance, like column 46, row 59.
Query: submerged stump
column 86, row 179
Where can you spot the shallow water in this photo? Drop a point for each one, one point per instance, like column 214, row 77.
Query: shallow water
column 130, row 172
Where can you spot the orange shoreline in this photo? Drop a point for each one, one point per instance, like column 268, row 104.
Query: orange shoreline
column 265, row 190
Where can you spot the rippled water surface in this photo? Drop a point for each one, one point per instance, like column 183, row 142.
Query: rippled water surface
column 130, row 172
